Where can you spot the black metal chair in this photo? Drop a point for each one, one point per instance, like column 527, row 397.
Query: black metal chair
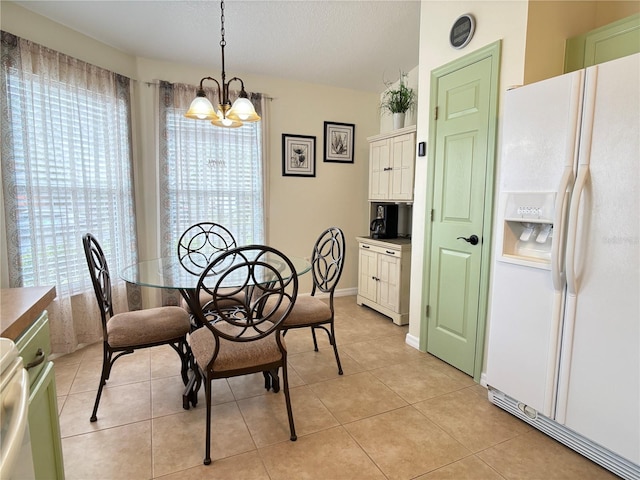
column 128, row 331
column 250, row 299
column 201, row 243
column 327, row 262
column 198, row 246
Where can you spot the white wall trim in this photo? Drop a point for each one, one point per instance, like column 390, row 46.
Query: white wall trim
column 412, row 341
column 345, row 292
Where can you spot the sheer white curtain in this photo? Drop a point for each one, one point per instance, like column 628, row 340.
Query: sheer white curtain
column 66, row 171
column 208, row 173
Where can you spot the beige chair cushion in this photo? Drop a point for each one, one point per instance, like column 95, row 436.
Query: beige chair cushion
column 233, row 355
column 205, row 297
column 307, row 310
column 142, row 327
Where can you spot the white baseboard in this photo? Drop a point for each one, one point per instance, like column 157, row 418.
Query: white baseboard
column 345, row 292
column 412, row 341
column 483, row 380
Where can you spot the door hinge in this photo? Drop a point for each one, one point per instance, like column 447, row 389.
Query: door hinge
column 432, row 213
column 436, row 114
column 427, row 311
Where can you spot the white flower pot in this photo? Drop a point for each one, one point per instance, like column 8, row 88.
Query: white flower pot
column 398, row 120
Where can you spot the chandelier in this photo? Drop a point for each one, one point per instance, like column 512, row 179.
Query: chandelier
column 227, row 115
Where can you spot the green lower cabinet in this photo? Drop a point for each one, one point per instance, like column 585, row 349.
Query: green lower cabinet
column 44, row 428
column 34, row 346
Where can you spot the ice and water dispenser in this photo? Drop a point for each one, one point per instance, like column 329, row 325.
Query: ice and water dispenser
column 528, row 228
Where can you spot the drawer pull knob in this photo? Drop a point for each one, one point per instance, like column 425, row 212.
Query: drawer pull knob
column 38, row 360
column 366, row 246
column 390, row 252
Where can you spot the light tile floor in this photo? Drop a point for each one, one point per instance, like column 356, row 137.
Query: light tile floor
column 396, row 413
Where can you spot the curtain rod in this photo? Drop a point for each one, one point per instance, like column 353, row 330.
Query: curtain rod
column 157, row 82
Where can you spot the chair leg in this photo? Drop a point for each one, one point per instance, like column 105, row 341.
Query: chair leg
column 285, row 382
column 335, row 348
column 185, row 355
column 315, row 341
column 207, row 394
column 196, row 387
column 274, row 380
column 106, row 369
column 331, row 333
column 184, row 352
column 267, row 380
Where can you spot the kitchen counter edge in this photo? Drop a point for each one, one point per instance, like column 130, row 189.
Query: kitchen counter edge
column 20, row 307
column 383, row 242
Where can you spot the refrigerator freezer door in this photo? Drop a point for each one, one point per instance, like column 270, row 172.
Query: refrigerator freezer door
column 599, row 385
column 539, row 133
column 538, row 155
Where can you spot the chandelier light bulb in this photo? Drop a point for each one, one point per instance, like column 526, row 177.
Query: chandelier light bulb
column 201, row 109
column 243, row 110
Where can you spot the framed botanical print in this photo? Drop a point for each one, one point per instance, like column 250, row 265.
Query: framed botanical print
column 338, row 142
column 298, row 155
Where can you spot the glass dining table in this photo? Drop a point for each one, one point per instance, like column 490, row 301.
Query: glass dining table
column 182, row 275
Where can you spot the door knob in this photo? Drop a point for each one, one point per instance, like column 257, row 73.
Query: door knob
column 473, row 239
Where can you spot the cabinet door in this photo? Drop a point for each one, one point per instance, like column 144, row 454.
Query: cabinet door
column 615, row 40
column 379, row 158
column 44, row 428
column 402, row 167
column 368, row 268
column 389, row 281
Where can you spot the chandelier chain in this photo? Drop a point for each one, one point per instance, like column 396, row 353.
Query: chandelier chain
column 222, row 42
column 228, row 115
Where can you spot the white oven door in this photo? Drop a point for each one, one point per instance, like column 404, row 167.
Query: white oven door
column 16, row 460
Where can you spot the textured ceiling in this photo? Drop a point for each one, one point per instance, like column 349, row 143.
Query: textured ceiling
column 354, row 44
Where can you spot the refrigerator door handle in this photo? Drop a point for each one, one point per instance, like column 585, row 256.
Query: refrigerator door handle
column 557, row 273
column 581, row 180
column 572, row 234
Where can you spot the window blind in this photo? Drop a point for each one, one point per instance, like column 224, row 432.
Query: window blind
column 67, row 167
column 209, row 174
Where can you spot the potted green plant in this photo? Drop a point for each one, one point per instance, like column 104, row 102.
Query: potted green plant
column 398, row 100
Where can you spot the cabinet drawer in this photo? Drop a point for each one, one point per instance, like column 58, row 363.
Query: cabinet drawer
column 35, row 347
column 382, row 250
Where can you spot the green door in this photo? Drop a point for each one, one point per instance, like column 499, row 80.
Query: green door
column 461, row 153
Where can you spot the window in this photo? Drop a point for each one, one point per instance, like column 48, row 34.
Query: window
column 208, row 173
column 66, row 166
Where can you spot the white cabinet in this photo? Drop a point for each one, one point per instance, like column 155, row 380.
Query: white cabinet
column 383, row 280
column 391, row 165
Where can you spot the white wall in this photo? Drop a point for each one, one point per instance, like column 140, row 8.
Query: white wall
column 299, row 208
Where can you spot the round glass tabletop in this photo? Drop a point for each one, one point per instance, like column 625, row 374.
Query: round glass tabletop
column 168, row 272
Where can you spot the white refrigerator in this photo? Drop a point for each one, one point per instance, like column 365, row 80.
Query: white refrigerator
column 564, row 316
